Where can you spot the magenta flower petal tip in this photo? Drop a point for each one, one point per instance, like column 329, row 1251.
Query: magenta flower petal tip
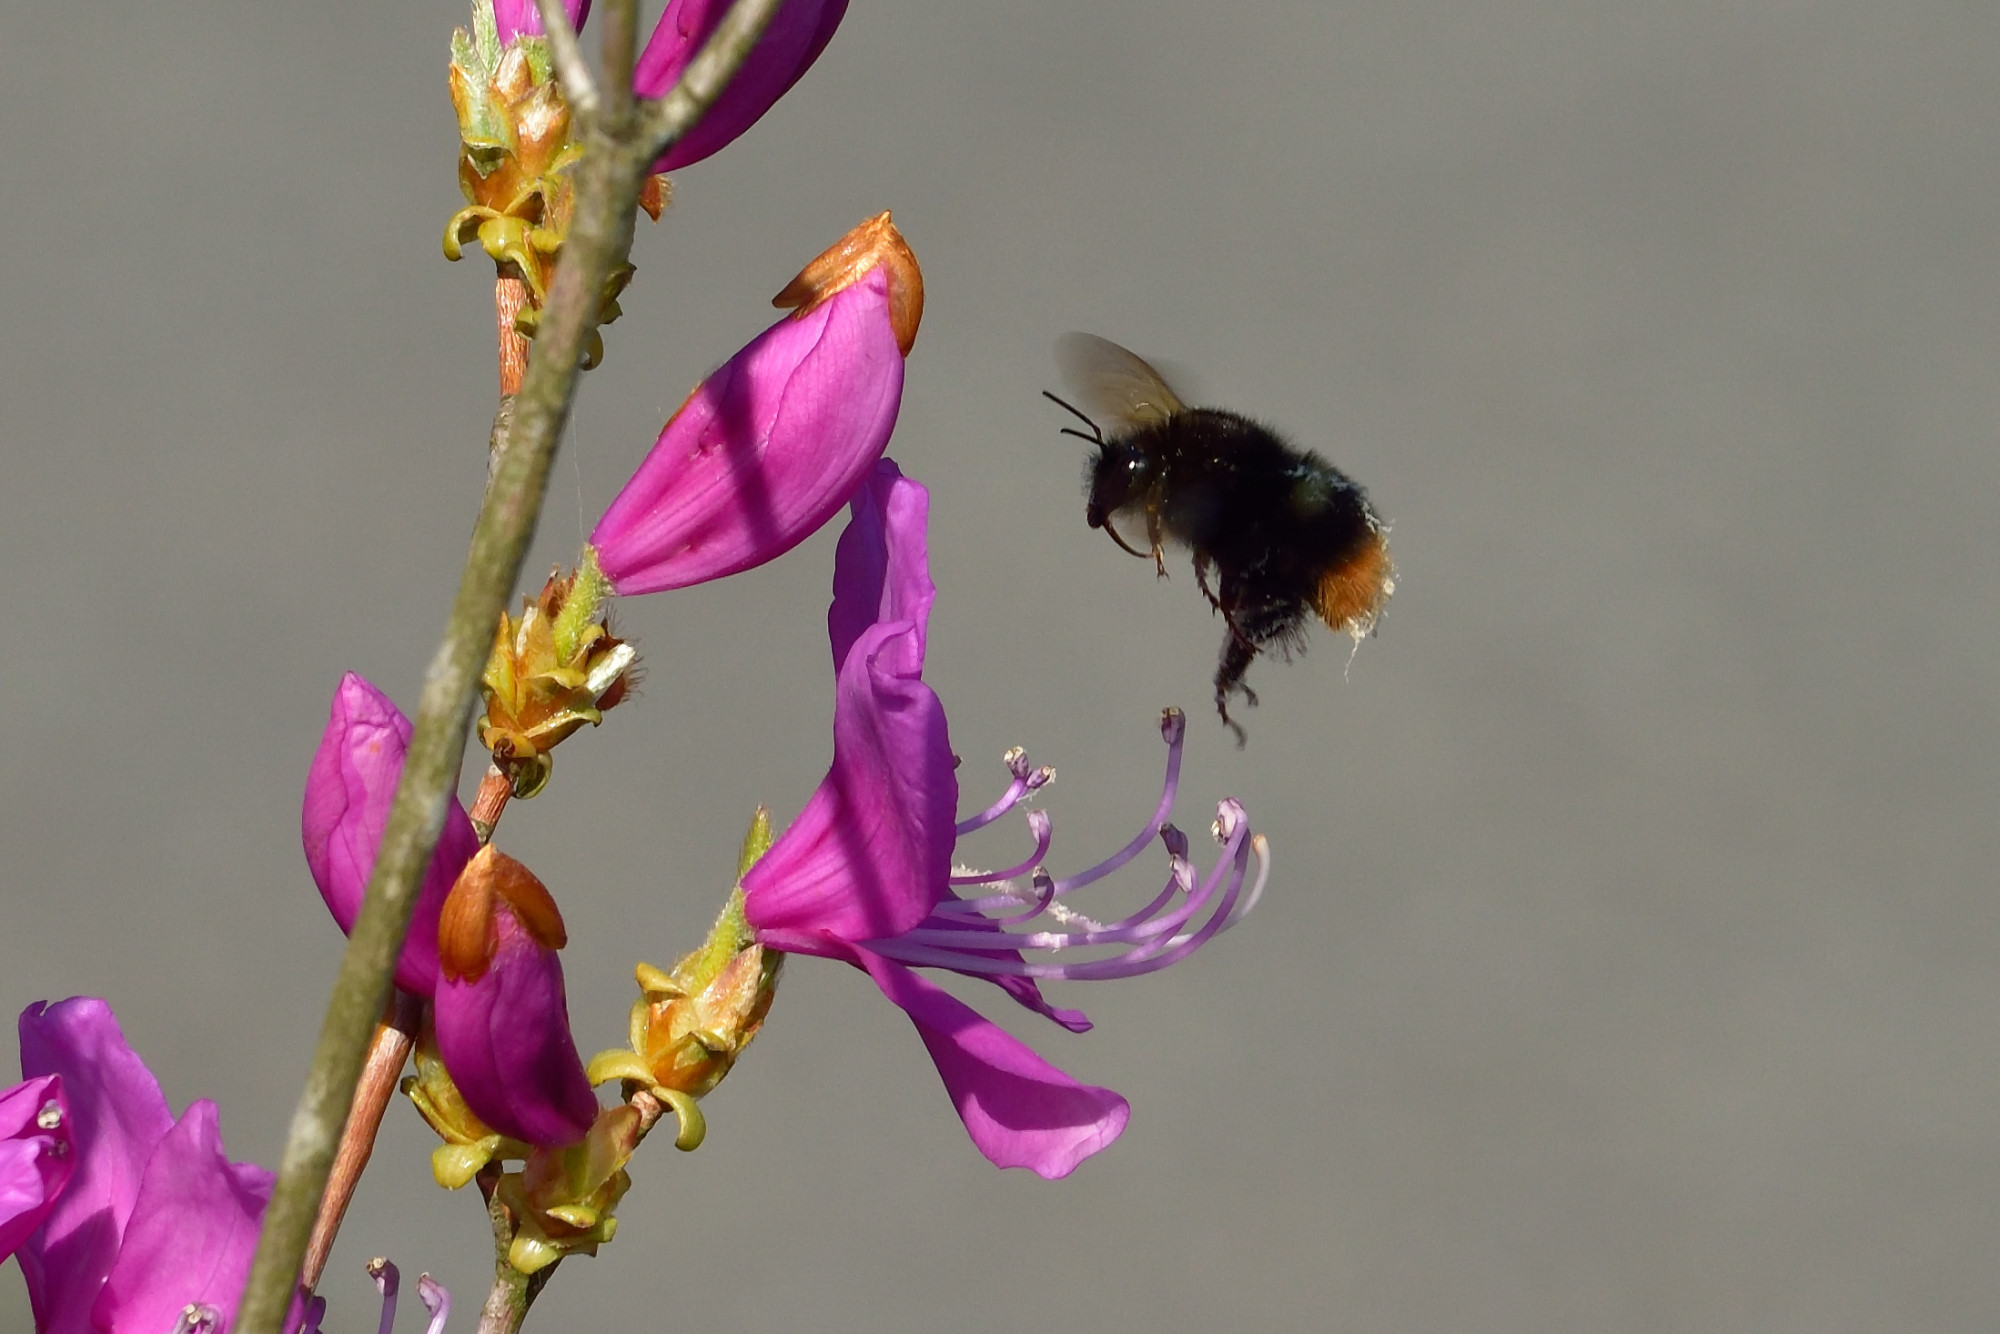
column 500, row 1012
column 37, row 1157
column 155, row 1222
column 349, row 788
column 769, row 447
column 1019, row 1110
column 520, row 18
column 797, row 34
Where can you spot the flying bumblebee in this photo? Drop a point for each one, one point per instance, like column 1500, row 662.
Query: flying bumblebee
column 1276, row 532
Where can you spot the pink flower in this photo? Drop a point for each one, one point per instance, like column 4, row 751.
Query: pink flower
column 865, row 873
column 797, row 33
column 349, row 789
column 501, row 1015
column 37, row 1156
column 156, row 1226
column 771, row 446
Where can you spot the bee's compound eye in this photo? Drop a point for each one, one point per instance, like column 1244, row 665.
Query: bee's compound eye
column 1118, row 473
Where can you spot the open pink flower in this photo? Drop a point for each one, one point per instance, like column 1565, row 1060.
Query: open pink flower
column 37, row 1156
column 349, row 789
column 797, row 33
column 865, row 874
column 156, row 1227
column 772, row 445
column 500, row 1012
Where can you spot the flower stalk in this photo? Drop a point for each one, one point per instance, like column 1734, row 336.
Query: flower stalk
column 386, row 1055
column 619, row 153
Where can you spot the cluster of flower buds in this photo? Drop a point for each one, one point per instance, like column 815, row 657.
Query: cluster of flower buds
column 562, row 1198
column 517, row 140
column 691, row 1023
column 514, row 138
column 498, row 1076
column 555, row 668
column 517, row 145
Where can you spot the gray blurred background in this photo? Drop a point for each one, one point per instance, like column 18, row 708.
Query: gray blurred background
column 1629, row 960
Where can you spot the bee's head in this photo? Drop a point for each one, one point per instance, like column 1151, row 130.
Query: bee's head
column 1119, row 474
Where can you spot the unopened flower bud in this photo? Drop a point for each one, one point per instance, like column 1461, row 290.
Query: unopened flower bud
column 500, row 1012
column 770, row 446
column 514, row 135
column 517, row 147
column 349, row 790
column 551, row 671
column 689, row 1025
column 521, row 18
column 790, row 43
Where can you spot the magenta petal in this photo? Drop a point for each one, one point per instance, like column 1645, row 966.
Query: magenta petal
column 37, row 1157
column 505, row 1041
column 881, row 568
column 118, row 1117
column 349, row 789
column 764, row 452
column 798, row 32
column 869, row 855
column 192, row 1232
column 1020, row 1110
column 518, row 17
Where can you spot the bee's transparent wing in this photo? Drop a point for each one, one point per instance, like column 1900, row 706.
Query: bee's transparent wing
column 1114, row 385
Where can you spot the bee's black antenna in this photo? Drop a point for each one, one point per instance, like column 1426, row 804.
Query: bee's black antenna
column 1096, row 436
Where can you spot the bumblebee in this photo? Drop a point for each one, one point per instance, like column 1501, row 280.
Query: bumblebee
column 1278, row 534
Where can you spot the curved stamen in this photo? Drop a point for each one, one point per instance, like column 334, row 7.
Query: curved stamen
column 1155, row 941
column 1180, row 880
column 1152, row 959
column 1148, row 925
column 1260, row 847
column 1026, row 779
column 1045, row 894
column 436, row 1300
column 1142, row 925
column 1173, row 727
column 1039, row 826
column 309, row 1317
column 1015, row 791
column 388, row 1282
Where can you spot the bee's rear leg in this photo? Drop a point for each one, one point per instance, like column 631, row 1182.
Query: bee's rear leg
column 1237, row 655
column 1201, row 564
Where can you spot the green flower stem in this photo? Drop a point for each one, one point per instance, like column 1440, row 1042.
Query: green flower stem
column 513, row 1292
column 619, row 155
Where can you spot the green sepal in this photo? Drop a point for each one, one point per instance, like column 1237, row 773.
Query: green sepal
column 756, row 842
column 577, row 623
column 452, row 1165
